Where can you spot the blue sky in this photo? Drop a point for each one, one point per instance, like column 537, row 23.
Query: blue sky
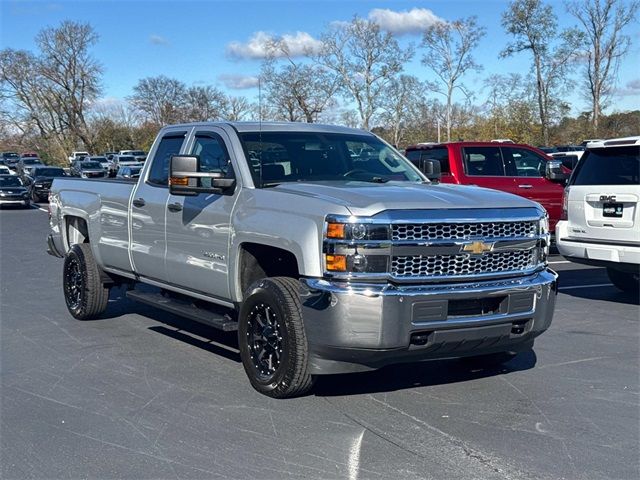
column 191, row 40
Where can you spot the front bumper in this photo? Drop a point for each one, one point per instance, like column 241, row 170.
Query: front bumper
column 14, row 201
column 358, row 327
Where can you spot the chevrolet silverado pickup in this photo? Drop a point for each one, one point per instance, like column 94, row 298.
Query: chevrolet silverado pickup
column 323, row 247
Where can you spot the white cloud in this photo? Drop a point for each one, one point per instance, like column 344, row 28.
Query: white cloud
column 158, row 40
column 631, row 89
column 257, row 47
column 415, row 20
column 237, row 81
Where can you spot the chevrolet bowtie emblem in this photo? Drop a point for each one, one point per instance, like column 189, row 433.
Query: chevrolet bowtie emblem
column 477, row 248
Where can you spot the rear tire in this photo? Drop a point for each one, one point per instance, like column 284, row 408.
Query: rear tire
column 85, row 294
column 625, row 281
column 272, row 339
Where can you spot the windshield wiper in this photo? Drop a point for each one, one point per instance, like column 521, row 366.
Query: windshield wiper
column 269, row 184
column 377, row 180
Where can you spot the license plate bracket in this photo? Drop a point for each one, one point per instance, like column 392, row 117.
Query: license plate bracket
column 612, row 210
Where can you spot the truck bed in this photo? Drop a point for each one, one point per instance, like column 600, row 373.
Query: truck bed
column 104, row 205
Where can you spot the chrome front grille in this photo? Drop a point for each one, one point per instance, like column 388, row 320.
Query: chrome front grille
column 461, row 231
column 462, row 264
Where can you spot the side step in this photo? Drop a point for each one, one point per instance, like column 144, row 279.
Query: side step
column 220, row 321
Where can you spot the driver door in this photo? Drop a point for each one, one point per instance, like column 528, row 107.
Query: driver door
column 199, row 227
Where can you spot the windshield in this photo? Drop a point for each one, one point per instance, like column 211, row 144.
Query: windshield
column 10, row 182
column 89, row 165
column 608, row 166
column 30, row 161
column 10, row 155
column 136, row 152
column 123, row 158
column 99, row 159
column 279, row 157
column 49, row 172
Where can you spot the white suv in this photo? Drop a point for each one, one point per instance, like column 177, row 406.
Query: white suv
column 601, row 211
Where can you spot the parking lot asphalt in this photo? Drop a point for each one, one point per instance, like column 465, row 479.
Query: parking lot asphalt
column 144, row 394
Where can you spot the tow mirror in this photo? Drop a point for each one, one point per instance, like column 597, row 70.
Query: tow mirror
column 554, row 172
column 185, row 178
column 431, row 169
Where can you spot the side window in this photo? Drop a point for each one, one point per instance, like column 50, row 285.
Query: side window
column 483, row 161
column 523, row 162
column 440, row 153
column 169, row 145
column 213, row 154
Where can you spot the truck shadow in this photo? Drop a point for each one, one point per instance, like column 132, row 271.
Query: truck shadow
column 412, row 375
column 607, row 294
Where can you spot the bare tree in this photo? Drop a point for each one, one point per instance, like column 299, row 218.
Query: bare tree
column 399, row 105
column 602, row 22
column 203, row 103
column 51, row 91
column 534, row 27
column 297, row 90
column 236, row 109
column 449, row 47
column 365, row 60
column 159, row 99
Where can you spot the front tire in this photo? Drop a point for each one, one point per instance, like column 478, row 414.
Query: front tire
column 272, row 339
column 625, row 281
column 85, row 294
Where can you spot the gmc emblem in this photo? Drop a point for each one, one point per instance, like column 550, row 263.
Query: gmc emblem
column 607, row 198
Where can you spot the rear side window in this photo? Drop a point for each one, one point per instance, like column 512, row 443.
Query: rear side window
column 608, row 166
column 441, row 154
column 483, row 161
column 169, row 145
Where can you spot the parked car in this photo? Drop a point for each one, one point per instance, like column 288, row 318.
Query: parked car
column 323, row 262
column 139, row 155
column 25, row 163
column 122, row 161
column 87, row 169
column 40, row 181
column 10, row 159
column 13, row 191
column 129, row 172
column 109, row 155
column 78, row 156
column 600, row 223
column 4, row 170
column 106, row 164
column 519, row 169
column 548, row 150
column 29, row 155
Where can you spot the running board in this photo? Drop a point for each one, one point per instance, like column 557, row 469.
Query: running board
column 216, row 320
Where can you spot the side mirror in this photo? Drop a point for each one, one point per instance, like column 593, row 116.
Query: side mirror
column 431, row 169
column 554, row 172
column 185, row 178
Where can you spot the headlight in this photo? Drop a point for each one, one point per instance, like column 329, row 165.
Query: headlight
column 357, row 231
column 354, row 245
column 543, row 226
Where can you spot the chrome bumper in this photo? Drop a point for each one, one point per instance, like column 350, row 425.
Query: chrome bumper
column 356, row 327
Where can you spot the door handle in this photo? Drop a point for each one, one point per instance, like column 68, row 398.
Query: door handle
column 525, row 186
column 174, row 207
column 139, row 202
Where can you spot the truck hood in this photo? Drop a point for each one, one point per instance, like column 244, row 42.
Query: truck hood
column 367, row 199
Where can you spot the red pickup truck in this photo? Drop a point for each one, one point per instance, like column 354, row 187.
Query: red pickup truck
column 519, row 169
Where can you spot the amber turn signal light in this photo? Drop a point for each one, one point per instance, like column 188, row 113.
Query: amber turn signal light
column 336, row 263
column 336, row 230
column 179, row 181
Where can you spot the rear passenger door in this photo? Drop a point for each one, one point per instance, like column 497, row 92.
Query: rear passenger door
column 484, row 167
column 149, row 208
column 199, row 227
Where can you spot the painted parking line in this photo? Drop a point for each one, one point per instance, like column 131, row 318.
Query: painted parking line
column 572, row 287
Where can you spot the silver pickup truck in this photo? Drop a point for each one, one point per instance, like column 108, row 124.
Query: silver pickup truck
column 322, row 246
